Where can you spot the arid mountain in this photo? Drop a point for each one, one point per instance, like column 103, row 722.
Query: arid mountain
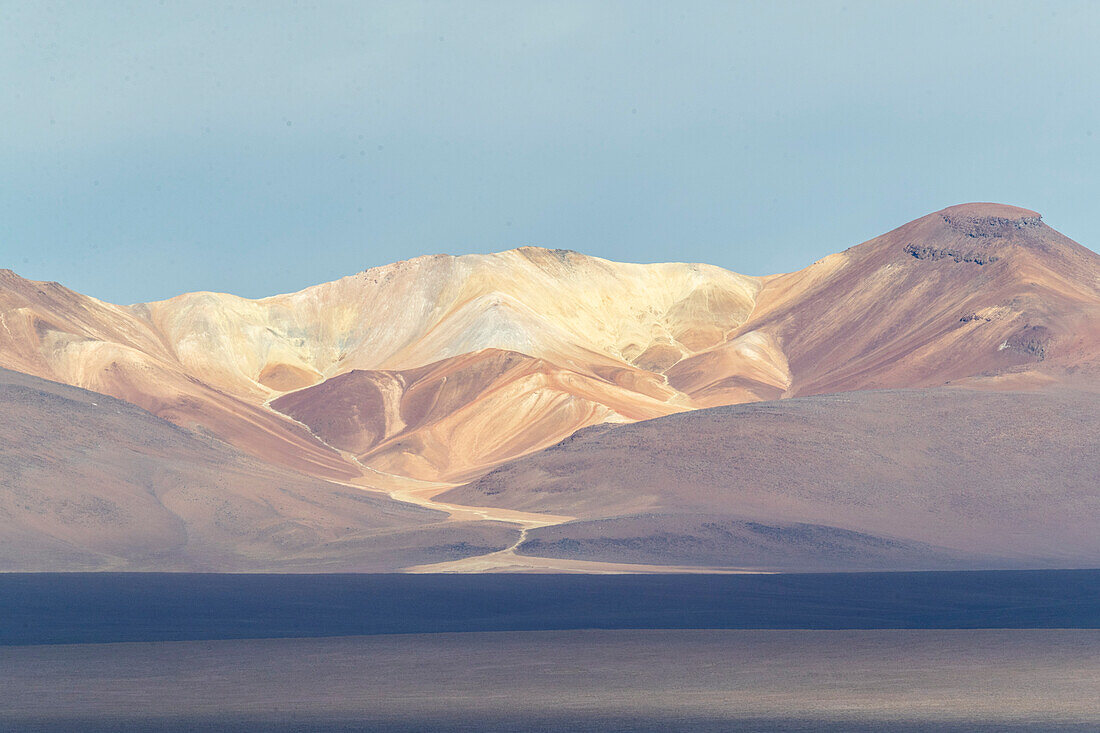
column 884, row 479
column 440, row 367
column 88, row 482
column 52, row 332
column 592, row 331
column 420, row 375
column 981, row 292
column 456, row 416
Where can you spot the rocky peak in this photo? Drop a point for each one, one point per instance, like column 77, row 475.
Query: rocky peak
column 990, row 220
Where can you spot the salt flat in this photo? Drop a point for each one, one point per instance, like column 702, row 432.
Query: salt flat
column 759, row 680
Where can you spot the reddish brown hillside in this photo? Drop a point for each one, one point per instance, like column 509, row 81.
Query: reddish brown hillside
column 973, row 291
column 457, row 417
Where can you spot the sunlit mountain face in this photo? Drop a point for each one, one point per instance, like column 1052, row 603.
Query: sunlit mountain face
column 415, row 377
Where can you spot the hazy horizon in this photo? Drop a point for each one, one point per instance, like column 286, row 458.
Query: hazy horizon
column 154, row 150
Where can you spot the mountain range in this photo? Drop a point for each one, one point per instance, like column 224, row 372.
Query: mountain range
column 925, row 399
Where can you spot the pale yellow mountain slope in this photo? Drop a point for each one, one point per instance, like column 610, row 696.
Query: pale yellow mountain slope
column 592, row 335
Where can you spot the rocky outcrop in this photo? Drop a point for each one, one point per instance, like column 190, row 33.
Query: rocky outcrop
column 925, row 252
column 1032, row 341
column 990, row 226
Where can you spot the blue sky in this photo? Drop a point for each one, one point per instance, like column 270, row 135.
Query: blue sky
column 150, row 149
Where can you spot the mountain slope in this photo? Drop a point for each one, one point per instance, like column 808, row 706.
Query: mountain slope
column 971, row 292
column 88, row 482
column 452, row 418
column 215, row 361
column 551, row 304
column 1008, row 476
column 51, row 332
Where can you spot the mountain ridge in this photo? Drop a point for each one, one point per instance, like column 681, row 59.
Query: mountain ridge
column 424, row 378
column 912, row 307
